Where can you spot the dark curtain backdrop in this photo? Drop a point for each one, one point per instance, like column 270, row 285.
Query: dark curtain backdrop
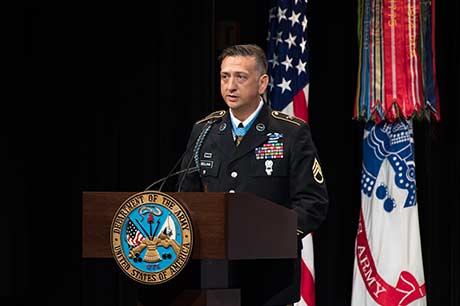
column 103, row 97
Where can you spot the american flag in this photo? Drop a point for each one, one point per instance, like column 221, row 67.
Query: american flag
column 133, row 235
column 287, row 55
column 288, row 58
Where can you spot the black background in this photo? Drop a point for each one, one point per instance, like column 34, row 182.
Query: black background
column 103, row 97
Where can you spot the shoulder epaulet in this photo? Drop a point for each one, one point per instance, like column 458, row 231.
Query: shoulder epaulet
column 289, row 118
column 214, row 115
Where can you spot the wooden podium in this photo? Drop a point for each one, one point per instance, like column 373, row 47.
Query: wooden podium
column 236, row 236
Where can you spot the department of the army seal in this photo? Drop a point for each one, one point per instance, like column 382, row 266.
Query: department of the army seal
column 151, row 237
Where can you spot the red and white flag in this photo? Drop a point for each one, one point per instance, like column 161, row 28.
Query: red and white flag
column 388, row 267
column 288, row 92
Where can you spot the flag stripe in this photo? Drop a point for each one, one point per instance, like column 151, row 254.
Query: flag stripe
column 300, row 105
column 307, row 290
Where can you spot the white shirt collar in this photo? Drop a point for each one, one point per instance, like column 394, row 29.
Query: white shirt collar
column 245, row 122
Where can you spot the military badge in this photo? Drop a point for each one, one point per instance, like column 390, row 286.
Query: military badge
column 151, row 237
column 274, row 136
column 269, row 166
column 260, row 127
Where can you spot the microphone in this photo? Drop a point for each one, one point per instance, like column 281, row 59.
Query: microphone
column 163, row 180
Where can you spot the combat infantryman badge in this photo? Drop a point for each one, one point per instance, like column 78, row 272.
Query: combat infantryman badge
column 151, row 237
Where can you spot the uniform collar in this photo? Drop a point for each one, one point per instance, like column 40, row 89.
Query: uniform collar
column 256, row 135
column 250, row 119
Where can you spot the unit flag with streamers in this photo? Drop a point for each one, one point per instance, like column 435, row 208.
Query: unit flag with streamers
column 396, row 86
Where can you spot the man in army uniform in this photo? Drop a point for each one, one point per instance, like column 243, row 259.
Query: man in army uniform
column 252, row 148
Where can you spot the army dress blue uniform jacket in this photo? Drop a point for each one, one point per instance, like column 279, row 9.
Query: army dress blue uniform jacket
column 289, row 175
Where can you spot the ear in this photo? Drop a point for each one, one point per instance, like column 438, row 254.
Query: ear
column 263, row 83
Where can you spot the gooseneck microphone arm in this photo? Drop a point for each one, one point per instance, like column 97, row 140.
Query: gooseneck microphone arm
column 171, row 173
column 191, row 170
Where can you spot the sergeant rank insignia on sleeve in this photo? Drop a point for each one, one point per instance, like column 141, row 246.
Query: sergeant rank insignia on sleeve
column 317, row 173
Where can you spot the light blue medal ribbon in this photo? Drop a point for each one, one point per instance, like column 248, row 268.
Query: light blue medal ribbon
column 241, row 131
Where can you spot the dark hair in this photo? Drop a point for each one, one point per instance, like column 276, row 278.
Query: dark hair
column 247, row 50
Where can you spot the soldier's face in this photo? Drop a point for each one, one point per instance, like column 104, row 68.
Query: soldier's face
column 241, row 84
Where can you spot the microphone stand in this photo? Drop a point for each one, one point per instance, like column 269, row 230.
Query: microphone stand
column 163, row 180
column 191, row 170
